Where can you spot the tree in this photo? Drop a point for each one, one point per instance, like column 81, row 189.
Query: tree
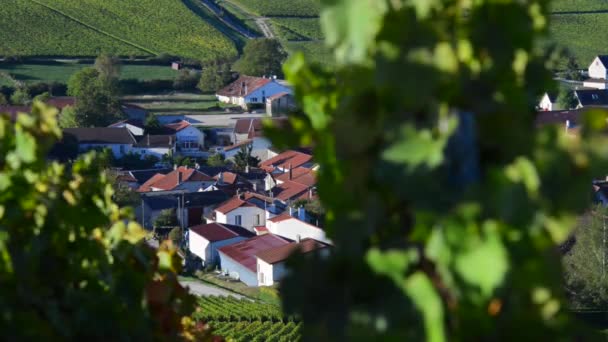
column 97, row 99
column 216, row 160
column 152, row 125
column 573, row 70
column 3, row 100
column 186, row 79
column 21, row 96
column 176, row 236
column 67, row 118
column 44, row 97
column 166, row 218
column 124, row 196
column 243, row 158
column 262, row 57
column 214, row 76
column 567, row 99
column 586, row 262
column 108, row 68
column 444, row 202
column 80, row 269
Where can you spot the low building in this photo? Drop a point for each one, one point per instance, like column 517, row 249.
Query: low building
column 280, row 104
column 245, row 210
column 155, row 145
column 239, row 259
column 205, row 239
column 287, row 160
column 271, row 262
column 181, row 178
column 136, row 127
column 548, row 102
column 119, row 140
column 598, row 69
column 249, row 90
column 592, row 97
column 293, row 226
column 189, row 138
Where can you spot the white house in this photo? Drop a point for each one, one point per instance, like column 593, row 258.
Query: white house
column 181, row 178
column 205, row 239
column 155, row 145
column 247, row 90
column 548, row 103
column 136, row 127
column 239, row 259
column 271, row 262
column 295, row 228
column 119, row 140
column 247, row 211
column 598, row 69
column 189, row 138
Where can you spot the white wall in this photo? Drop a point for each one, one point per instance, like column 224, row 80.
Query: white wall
column 272, row 273
column 597, row 69
column 245, row 275
column 594, row 85
column 247, row 217
column 261, row 94
column 158, row 152
column 116, row 148
column 545, row 103
column 223, row 99
column 191, row 133
column 291, row 228
column 199, row 246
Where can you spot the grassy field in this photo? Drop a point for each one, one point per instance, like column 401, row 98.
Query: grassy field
column 313, row 50
column 32, row 73
column 297, row 28
column 179, row 103
column 290, row 8
column 578, row 5
column 121, row 27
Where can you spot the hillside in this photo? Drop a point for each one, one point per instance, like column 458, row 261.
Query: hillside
column 122, row 27
column 581, row 26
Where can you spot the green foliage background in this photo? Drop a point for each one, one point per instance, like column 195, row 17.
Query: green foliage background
column 444, row 201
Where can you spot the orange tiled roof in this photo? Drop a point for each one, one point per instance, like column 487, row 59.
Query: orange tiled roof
column 169, row 181
column 285, row 160
column 178, row 126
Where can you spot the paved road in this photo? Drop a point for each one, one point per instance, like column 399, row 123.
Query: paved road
column 202, row 289
column 212, row 120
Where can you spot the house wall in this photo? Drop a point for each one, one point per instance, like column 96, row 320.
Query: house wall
column 118, row 150
column 247, row 217
column 240, row 137
column 545, row 103
column 270, row 89
column 271, row 273
column 158, row 152
column 269, row 182
column 597, row 69
column 199, row 246
column 594, row 85
column 223, row 99
column 234, row 268
column 191, row 133
column 293, row 228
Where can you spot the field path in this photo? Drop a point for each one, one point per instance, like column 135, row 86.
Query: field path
column 76, row 20
column 262, row 22
column 217, row 11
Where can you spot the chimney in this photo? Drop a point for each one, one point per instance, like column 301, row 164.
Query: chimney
column 298, row 238
column 255, row 187
column 170, row 140
column 290, row 211
column 179, row 178
column 246, row 92
column 274, row 77
column 310, row 193
column 197, row 166
column 174, row 166
column 221, row 178
column 247, row 168
column 148, row 139
column 290, row 171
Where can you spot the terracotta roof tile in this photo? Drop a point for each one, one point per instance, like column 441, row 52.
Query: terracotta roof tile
column 217, row 232
column 243, row 86
column 178, row 126
column 232, row 204
column 238, row 145
column 280, row 218
column 300, row 175
column 147, row 185
column 285, row 160
column 281, row 253
column 169, row 181
column 289, row 190
column 244, row 252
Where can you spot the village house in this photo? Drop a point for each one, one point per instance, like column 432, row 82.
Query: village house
column 119, row 140
column 249, row 90
column 287, row 160
column 294, row 225
column 155, row 145
column 190, row 140
column 591, row 97
column 548, row 102
column 239, row 259
column 181, row 178
column 280, row 104
column 205, row 239
column 271, row 262
column 246, row 210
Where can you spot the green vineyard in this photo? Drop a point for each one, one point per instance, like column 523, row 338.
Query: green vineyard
column 289, row 8
column 246, row 320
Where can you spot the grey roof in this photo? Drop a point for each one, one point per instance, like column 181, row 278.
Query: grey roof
column 102, row 135
column 603, row 59
column 592, row 97
column 160, row 140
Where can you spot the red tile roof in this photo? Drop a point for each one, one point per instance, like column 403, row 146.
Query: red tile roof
column 289, row 190
column 285, row 160
column 238, row 145
column 232, row 204
column 243, row 86
column 217, row 232
column 281, row 253
column 300, row 175
column 244, row 252
column 178, row 126
column 280, row 218
column 228, row 177
column 276, row 96
column 169, row 181
column 126, row 177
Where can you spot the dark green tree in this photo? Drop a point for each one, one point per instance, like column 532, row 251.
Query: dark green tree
column 67, row 118
column 152, row 125
column 444, row 202
column 166, row 218
column 21, row 97
column 3, row 100
column 108, row 68
column 124, row 196
column 567, row 99
column 244, row 158
column 97, row 99
column 186, row 79
column 573, row 71
column 215, row 75
column 216, row 159
column 262, row 57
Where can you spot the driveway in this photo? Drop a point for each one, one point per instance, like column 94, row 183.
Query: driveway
column 202, row 289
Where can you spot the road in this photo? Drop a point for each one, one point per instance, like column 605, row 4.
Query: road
column 202, row 289
column 211, row 120
column 263, row 25
column 219, row 13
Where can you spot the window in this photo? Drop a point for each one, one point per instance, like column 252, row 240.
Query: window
column 237, row 220
column 257, row 220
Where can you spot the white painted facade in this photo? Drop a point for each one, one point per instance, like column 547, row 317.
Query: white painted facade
column 595, row 84
column 295, row 229
column 249, row 217
column 546, row 104
column 190, row 135
column 158, row 152
column 269, row 274
column 118, row 150
column 188, row 186
column 206, row 250
column 597, row 69
column 233, row 268
column 257, row 96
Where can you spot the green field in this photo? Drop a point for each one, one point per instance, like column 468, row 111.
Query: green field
column 578, row 5
column 120, row 27
column 297, row 28
column 289, row 8
column 32, row 73
column 245, row 320
column 315, row 51
column 182, row 103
